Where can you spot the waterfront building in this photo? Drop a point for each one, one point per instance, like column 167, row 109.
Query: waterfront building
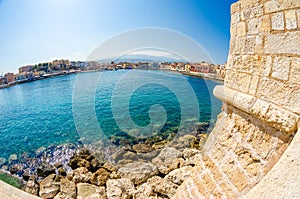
column 9, row 77
column 2, row 80
column 25, row 69
column 61, row 64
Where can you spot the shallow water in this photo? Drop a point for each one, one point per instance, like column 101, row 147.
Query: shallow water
column 41, row 113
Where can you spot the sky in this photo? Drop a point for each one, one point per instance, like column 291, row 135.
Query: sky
column 33, row 31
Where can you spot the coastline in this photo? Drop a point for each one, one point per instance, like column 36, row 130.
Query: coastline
column 65, row 73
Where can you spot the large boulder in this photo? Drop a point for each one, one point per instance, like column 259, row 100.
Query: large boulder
column 177, row 176
column 120, row 188
column 31, row 186
column 162, row 186
column 48, row 187
column 138, row 172
column 168, row 159
column 143, row 191
column 100, row 177
column 88, row 191
column 68, row 188
column 81, row 174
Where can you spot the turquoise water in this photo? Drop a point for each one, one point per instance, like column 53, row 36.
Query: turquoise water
column 41, row 113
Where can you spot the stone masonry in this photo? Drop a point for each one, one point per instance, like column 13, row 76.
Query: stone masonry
column 261, row 101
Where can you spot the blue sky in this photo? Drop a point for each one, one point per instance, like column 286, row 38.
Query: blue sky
column 33, row 31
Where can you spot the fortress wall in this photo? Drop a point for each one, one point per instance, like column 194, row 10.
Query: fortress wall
column 261, row 101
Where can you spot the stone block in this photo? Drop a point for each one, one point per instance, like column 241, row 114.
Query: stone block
column 252, row 12
column 277, row 21
column 241, row 29
column 281, row 68
column 259, row 44
column 235, row 7
column 250, row 45
column 298, row 17
column 238, row 81
column 253, row 26
column 228, row 190
column 278, row 5
column 248, row 3
column 253, row 85
column 281, row 119
column 235, row 18
column 283, row 94
column 208, row 182
column 235, row 175
column 290, row 20
column 233, row 30
column 264, row 23
column 267, row 66
column 243, row 101
column 295, row 71
column 283, row 43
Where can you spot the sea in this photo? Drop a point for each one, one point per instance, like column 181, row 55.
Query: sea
column 91, row 106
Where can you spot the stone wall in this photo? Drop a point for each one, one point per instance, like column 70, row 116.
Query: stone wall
column 261, row 101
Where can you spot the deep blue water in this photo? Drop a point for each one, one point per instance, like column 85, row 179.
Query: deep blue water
column 52, row 111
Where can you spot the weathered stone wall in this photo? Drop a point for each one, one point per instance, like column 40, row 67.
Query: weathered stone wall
column 261, row 101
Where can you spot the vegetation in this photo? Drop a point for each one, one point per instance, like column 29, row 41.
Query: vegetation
column 13, row 181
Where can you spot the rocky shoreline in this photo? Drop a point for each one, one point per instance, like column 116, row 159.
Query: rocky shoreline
column 150, row 169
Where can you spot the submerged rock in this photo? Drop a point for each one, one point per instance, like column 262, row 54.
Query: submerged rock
column 142, row 148
column 2, row 161
column 12, row 157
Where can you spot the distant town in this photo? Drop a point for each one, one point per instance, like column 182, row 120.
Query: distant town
column 64, row 67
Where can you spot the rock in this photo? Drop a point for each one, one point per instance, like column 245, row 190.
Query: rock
column 120, row 188
column 62, row 171
column 45, row 170
column 26, row 175
column 109, row 166
column 12, row 157
column 124, row 162
column 2, row 161
column 167, row 160
column 186, row 140
column 61, row 195
column 130, row 156
column 187, row 153
column 142, row 148
column 16, row 168
column 160, row 145
column 177, row 176
column 118, row 155
column 68, row 188
column 48, row 187
column 162, row 186
column 88, row 191
column 138, row 172
column 100, row 177
column 143, row 191
column 81, row 174
column 31, row 186
column 40, row 151
column 148, row 156
column 95, row 164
